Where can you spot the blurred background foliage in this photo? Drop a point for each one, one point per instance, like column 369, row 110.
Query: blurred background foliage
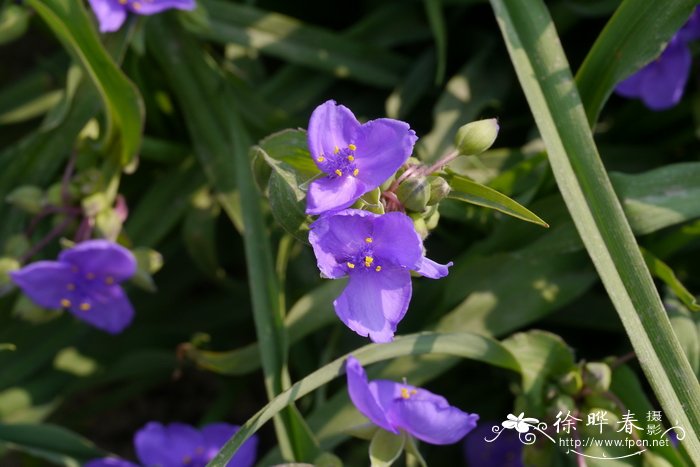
column 214, row 81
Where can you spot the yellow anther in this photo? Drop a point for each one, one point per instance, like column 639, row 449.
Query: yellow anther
column 405, row 394
column 352, row 147
column 368, row 261
column 378, row 268
column 70, row 286
column 338, row 173
column 65, row 303
column 85, row 306
column 186, row 460
column 355, row 172
column 89, row 276
column 109, row 280
column 320, row 158
column 123, row 2
column 336, row 150
column 368, row 240
column 136, row 5
column 351, row 265
column 351, row 158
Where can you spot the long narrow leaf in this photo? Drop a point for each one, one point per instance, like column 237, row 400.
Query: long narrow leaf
column 465, row 345
column 551, row 92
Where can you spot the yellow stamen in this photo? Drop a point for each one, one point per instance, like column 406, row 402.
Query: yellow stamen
column 122, row 2
column 368, row 261
column 352, row 147
column 136, row 5
column 338, row 173
column 85, row 306
column 336, row 150
column 89, row 276
column 378, row 268
column 368, row 239
column 355, row 172
column 351, row 158
column 351, row 265
column 70, row 286
column 109, row 280
column 65, row 303
column 405, row 394
column 320, row 158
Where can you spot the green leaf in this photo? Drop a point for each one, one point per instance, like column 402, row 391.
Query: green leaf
column 50, row 442
column 466, row 345
column 6, row 346
column 124, row 107
column 296, row 42
column 433, row 8
column 217, row 132
column 661, row 197
column 14, row 20
column 385, row 448
column 479, row 83
column 543, row 357
column 309, row 314
column 469, row 191
column 662, row 271
column 541, row 65
column 635, row 35
column 685, row 326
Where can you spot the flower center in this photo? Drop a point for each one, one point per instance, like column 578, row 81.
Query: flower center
column 364, row 259
column 406, row 393
column 341, row 162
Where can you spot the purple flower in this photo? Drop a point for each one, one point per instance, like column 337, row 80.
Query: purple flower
column 85, row 280
column 396, row 406
column 111, row 14
column 377, row 252
column 180, row 445
column 504, row 451
column 356, row 158
column 660, row 84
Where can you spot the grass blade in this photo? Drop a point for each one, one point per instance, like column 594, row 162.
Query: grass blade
column 546, row 79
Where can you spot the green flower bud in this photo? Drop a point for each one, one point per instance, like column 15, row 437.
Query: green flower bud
column 439, row 189
column 571, row 383
column 420, row 226
column 27, row 198
column 596, row 377
column 476, row 137
column 414, row 193
column 432, row 217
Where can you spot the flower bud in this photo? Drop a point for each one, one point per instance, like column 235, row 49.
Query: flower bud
column 596, row 377
column 414, row 193
column 476, row 137
column 439, row 189
column 432, row 217
column 27, row 198
column 571, row 383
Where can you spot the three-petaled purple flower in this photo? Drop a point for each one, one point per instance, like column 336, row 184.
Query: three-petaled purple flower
column 660, row 84
column 85, row 280
column 397, row 407
column 356, row 158
column 378, row 253
column 180, row 445
column 111, row 14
